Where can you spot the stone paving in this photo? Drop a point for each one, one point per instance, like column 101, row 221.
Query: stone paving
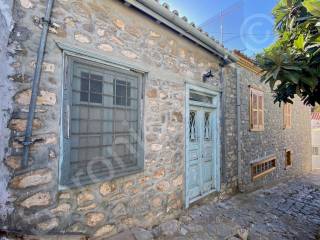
column 289, row 210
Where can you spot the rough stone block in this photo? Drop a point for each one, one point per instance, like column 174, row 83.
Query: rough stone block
column 48, row 225
column 85, row 197
column 129, row 54
column 82, row 38
column 20, row 124
column 62, row 208
column 105, row 231
column 107, row 188
column 31, row 179
column 94, row 218
column 163, row 186
column 105, row 47
column 26, row 3
column 119, row 24
column 40, row 199
column 87, row 208
column 44, row 98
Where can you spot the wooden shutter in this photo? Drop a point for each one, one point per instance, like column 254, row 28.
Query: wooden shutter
column 287, row 115
column 256, row 110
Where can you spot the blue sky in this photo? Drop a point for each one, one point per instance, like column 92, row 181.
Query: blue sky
column 247, row 24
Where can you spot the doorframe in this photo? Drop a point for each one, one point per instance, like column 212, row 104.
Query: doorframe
column 216, row 144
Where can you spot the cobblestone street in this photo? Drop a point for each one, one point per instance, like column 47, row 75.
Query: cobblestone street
column 288, row 210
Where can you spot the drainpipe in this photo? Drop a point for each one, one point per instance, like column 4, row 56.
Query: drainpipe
column 46, row 21
column 223, row 134
column 238, row 129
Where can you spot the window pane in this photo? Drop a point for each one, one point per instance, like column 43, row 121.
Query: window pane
column 95, row 86
column 104, row 137
column 84, row 83
column 84, row 87
column 84, row 97
column 200, row 98
column 122, row 93
column 95, row 98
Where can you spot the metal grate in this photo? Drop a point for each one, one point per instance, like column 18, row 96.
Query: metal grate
column 262, row 168
column 104, row 122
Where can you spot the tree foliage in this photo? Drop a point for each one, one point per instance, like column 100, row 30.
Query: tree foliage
column 292, row 64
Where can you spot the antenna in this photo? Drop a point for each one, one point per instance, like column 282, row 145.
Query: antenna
column 219, row 18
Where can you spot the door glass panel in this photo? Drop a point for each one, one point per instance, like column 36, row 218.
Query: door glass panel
column 192, row 127
column 207, row 127
column 200, row 98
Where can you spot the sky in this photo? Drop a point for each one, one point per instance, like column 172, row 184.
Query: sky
column 247, row 25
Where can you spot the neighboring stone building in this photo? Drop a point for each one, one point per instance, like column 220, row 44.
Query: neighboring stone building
column 315, row 132
column 276, row 145
column 130, row 127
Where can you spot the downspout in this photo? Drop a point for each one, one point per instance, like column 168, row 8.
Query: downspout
column 223, row 134
column 238, row 130
column 46, row 21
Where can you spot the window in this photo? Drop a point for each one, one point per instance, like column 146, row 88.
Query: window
column 315, row 151
column 121, row 93
column 256, row 110
column 200, row 98
column 102, row 123
column 287, row 115
column 288, row 158
column 262, row 168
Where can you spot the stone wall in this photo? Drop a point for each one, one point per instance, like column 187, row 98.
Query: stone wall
column 143, row 199
column 274, row 139
column 6, row 90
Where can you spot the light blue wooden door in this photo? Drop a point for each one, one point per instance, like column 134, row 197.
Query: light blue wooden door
column 194, row 164
column 200, row 165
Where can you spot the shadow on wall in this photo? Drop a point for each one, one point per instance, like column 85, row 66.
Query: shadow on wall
column 6, row 93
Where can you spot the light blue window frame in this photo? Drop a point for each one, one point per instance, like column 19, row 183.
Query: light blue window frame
column 72, row 52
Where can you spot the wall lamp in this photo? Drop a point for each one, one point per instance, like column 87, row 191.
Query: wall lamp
column 207, row 75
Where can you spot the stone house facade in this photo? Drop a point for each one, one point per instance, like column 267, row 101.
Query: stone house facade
column 130, row 128
column 277, row 140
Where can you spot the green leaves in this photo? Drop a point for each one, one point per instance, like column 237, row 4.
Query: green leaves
column 299, row 42
column 291, row 65
column 313, row 7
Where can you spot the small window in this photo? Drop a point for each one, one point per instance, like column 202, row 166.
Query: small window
column 121, row 93
column 287, row 115
column 315, row 151
column 288, row 158
column 256, row 110
column 101, row 123
column 91, row 87
column 262, row 168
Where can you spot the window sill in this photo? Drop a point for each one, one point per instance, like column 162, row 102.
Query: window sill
column 263, row 174
column 83, row 182
column 256, row 130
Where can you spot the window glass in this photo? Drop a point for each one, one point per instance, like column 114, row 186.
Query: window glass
column 104, row 139
column 122, row 90
column 200, row 98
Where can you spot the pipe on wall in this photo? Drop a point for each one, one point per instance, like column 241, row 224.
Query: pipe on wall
column 238, row 129
column 46, row 21
column 222, row 120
